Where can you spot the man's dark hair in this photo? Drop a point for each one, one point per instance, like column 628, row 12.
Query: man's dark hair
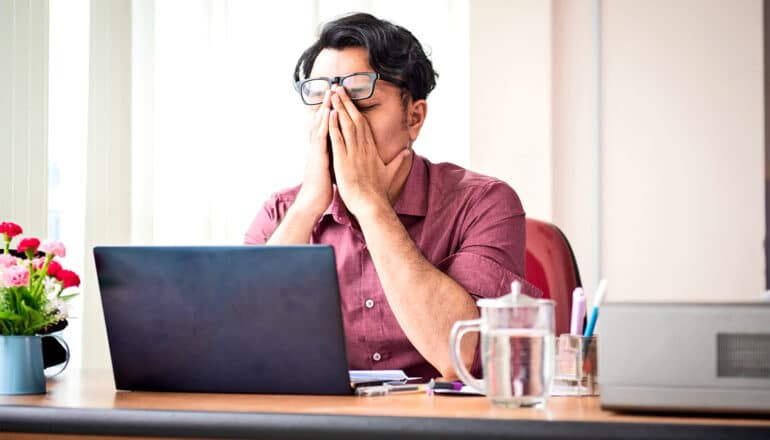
column 393, row 50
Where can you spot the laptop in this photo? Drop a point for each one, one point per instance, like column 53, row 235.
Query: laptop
column 224, row 319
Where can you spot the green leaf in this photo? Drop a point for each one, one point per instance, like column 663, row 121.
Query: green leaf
column 68, row 297
column 8, row 316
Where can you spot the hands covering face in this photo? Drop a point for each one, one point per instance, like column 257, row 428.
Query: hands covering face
column 362, row 176
column 316, row 193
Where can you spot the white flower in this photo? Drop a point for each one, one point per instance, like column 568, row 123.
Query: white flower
column 51, row 287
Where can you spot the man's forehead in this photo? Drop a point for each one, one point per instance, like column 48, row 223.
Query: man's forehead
column 339, row 62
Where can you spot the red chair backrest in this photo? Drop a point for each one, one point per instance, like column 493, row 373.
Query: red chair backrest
column 551, row 266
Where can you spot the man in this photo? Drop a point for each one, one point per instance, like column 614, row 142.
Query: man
column 416, row 243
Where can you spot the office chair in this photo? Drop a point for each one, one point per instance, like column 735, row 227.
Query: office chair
column 551, row 266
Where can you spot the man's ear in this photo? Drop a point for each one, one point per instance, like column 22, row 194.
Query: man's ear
column 415, row 117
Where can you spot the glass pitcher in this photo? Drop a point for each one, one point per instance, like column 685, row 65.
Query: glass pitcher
column 517, row 350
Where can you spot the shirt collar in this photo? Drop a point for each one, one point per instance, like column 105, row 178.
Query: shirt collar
column 413, row 199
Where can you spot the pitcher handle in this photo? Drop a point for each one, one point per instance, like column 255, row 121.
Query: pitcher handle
column 66, row 358
column 459, row 329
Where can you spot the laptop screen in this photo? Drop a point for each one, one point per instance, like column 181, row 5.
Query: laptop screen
column 241, row 319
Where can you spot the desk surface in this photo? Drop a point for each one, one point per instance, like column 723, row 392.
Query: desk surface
column 85, row 402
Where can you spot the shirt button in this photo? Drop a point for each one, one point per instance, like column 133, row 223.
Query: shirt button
column 369, row 303
column 376, row 357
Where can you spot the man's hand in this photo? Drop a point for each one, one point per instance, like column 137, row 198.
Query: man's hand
column 316, row 193
column 363, row 179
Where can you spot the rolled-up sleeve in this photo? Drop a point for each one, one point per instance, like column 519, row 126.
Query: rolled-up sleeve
column 492, row 250
column 266, row 221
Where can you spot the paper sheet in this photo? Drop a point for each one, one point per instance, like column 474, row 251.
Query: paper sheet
column 366, row 376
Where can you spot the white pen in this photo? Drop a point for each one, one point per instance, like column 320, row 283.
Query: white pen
column 578, row 312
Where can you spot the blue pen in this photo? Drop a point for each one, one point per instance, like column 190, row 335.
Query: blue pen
column 598, row 299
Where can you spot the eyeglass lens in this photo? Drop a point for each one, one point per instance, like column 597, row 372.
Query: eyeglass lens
column 357, row 87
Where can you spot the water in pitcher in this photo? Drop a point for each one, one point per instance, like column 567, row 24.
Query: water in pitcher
column 518, row 365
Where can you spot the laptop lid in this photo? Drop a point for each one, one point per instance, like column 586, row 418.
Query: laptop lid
column 240, row 319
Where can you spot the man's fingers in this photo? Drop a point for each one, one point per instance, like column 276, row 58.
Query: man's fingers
column 338, row 142
column 320, row 127
column 346, row 124
column 368, row 137
column 350, row 107
column 354, row 114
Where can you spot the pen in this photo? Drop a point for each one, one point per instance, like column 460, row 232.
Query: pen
column 578, row 312
column 454, row 385
column 598, row 299
column 385, row 389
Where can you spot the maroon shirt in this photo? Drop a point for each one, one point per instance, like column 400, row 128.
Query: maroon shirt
column 469, row 226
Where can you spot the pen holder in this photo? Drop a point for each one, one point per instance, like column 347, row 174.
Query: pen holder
column 576, row 366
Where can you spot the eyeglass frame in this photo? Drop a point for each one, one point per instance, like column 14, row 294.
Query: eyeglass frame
column 374, row 76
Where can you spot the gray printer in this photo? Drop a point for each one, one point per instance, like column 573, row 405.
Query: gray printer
column 685, row 357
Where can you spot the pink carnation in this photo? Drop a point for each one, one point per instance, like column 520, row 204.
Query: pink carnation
column 29, row 244
column 16, row 276
column 54, row 268
column 10, row 229
column 54, row 247
column 68, row 278
column 8, row 260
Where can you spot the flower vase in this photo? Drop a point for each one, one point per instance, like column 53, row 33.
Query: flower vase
column 21, row 365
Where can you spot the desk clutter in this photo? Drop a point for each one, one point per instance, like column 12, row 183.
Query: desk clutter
column 576, row 374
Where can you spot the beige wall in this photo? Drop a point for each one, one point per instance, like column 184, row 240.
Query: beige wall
column 573, row 129
column 682, row 136
column 510, row 104
column 683, row 142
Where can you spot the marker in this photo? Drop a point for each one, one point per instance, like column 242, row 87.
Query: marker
column 598, row 299
column 578, row 312
column 454, row 385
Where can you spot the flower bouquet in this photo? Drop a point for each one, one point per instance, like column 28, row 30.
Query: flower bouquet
column 32, row 285
column 32, row 304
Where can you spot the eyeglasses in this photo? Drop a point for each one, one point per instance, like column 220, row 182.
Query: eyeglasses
column 359, row 85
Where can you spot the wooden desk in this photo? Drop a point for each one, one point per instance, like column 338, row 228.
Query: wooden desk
column 86, row 403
